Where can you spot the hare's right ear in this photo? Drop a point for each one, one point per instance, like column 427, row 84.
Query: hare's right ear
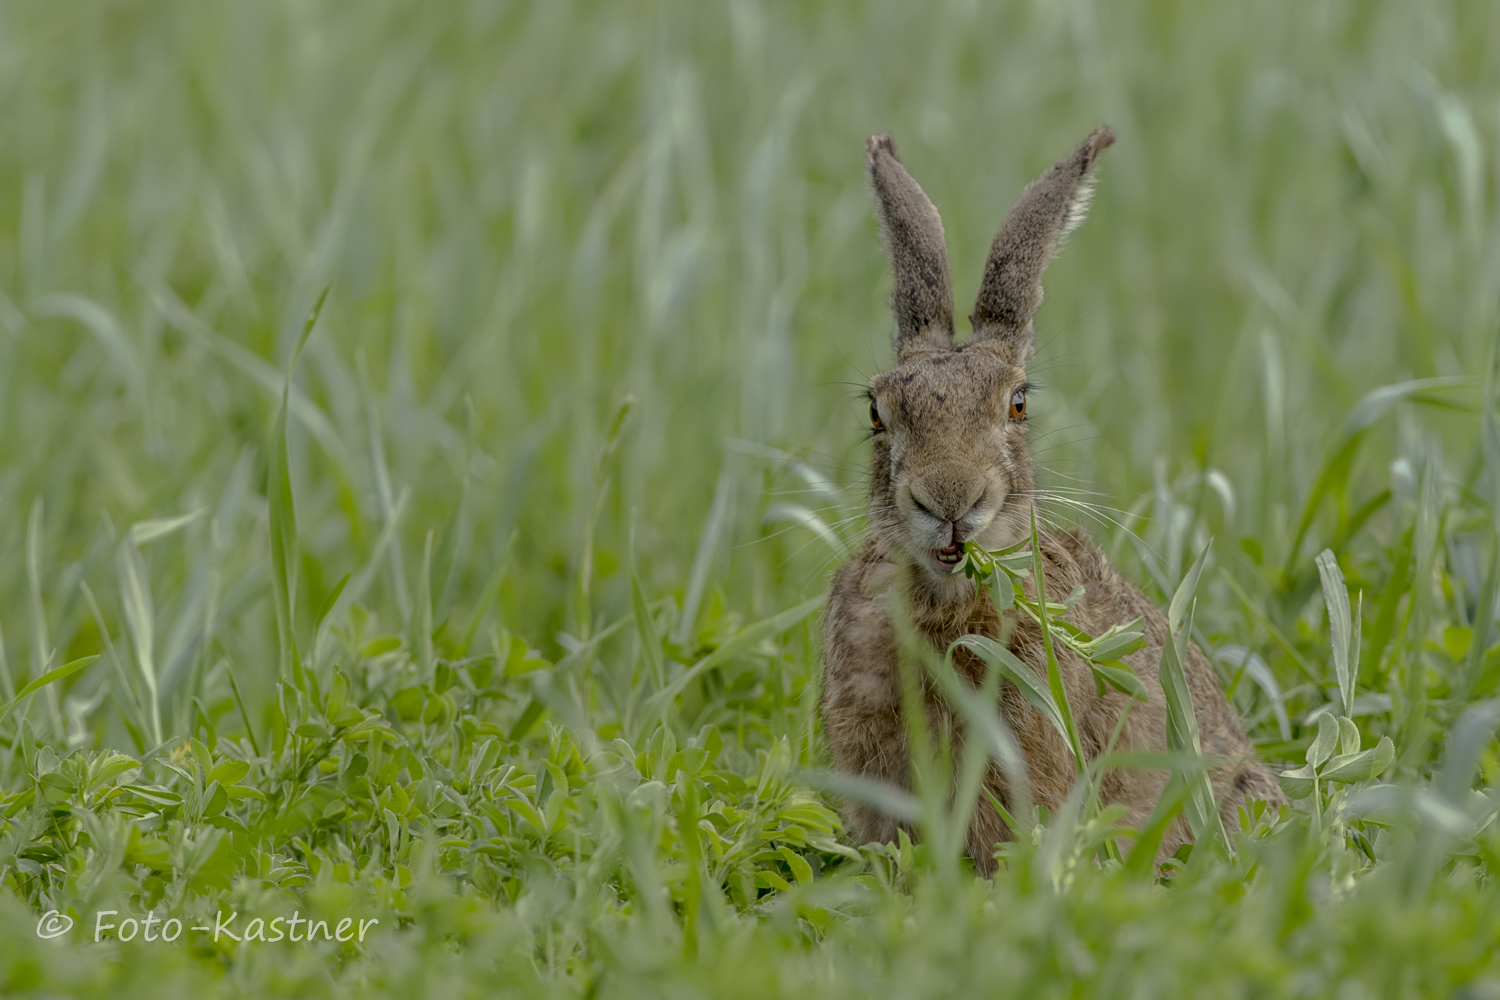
column 1046, row 212
column 913, row 237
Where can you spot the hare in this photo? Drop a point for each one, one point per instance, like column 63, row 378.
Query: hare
column 950, row 465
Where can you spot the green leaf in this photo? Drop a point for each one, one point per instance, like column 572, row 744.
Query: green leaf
column 349, row 715
column 1115, row 643
column 522, row 659
column 215, row 799
column 155, row 794
column 1003, row 591
column 1340, row 625
column 380, row 646
column 1186, row 588
column 1120, row 677
column 801, row 870
column 1014, row 560
column 229, row 772
column 1298, row 784
column 527, row 812
column 243, row 792
column 1361, row 766
column 106, row 769
column 1348, row 736
column 1326, row 742
column 408, row 703
column 767, row 879
column 153, row 853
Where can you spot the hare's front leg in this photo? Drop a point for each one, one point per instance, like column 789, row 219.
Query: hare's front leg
column 862, row 692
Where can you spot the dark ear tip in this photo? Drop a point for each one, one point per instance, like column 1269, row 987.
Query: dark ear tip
column 1098, row 141
column 878, row 143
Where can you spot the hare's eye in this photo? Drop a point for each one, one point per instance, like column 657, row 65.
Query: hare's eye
column 875, row 420
column 1018, row 404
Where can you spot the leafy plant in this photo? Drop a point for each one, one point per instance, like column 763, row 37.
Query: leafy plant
column 1334, row 754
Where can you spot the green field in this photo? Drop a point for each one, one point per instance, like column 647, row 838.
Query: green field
column 500, row 624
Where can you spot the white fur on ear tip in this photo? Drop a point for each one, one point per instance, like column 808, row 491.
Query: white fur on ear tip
column 1078, row 207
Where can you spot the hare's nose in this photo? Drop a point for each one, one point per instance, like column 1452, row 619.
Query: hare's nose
column 947, row 498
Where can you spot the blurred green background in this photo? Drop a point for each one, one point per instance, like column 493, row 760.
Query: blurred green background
column 535, row 217
column 528, row 213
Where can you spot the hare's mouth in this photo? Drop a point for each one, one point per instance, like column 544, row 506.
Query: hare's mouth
column 946, row 560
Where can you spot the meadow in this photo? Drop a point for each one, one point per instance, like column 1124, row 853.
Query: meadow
column 426, row 432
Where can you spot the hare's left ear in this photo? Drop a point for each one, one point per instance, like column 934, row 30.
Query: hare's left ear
column 1047, row 211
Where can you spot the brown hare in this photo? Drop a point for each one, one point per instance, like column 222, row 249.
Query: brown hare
column 951, row 465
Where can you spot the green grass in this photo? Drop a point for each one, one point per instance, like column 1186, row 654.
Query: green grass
column 494, row 616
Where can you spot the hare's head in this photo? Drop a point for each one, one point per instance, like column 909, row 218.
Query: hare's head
column 949, row 420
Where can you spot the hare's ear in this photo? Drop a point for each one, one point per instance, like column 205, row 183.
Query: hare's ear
column 1046, row 212
column 913, row 237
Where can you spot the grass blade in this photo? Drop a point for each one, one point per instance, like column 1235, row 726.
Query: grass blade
column 1484, row 623
column 977, row 706
column 145, row 532
column 41, row 648
column 140, row 721
column 1470, row 736
column 135, row 599
column 283, row 514
column 420, row 634
column 1142, row 857
column 7, row 684
column 239, row 701
column 490, row 593
column 1182, row 597
column 889, row 800
column 331, row 599
column 1054, row 672
column 708, row 544
column 1182, row 722
column 1013, row 669
column 50, row 677
column 1340, row 626
column 796, row 513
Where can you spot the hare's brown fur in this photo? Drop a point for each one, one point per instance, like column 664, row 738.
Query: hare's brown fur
column 951, row 464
